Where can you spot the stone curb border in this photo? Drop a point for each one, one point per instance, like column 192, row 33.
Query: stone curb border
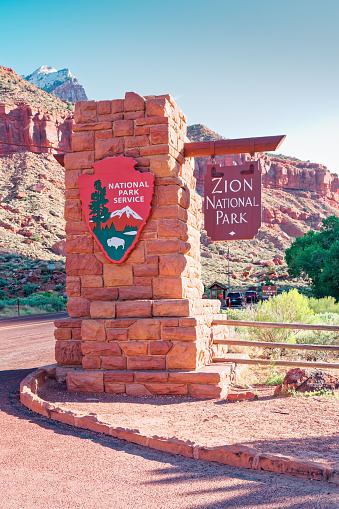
column 236, row 455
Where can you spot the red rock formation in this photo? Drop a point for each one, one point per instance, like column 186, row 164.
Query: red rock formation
column 70, row 90
column 10, row 72
column 23, row 128
column 290, row 173
column 307, row 380
column 310, row 179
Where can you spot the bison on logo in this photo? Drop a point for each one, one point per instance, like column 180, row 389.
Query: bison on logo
column 116, row 201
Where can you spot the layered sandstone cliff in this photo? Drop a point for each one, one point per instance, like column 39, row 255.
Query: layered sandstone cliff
column 290, row 173
column 278, row 172
column 25, row 128
column 31, row 119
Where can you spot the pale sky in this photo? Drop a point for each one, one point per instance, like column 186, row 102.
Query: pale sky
column 241, row 67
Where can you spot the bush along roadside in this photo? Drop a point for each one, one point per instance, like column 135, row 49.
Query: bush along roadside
column 38, row 284
column 36, row 304
column 290, row 307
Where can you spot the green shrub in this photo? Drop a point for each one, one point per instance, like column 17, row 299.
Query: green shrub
column 291, row 307
column 48, row 303
column 324, row 305
column 36, row 237
column 270, row 245
column 11, row 256
column 3, row 282
column 56, row 304
column 274, row 377
column 28, row 289
column 59, row 288
column 46, row 294
column 44, row 269
column 322, row 392
column 320, row 337
column 213, row 247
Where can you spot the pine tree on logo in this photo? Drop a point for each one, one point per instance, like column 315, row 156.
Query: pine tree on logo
column 99, row 212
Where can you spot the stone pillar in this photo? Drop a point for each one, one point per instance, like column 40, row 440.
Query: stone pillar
column 141, row 320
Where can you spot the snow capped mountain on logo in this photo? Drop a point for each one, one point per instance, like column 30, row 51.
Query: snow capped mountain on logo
column 123, row 218
column 59, row 83
column 126, row 210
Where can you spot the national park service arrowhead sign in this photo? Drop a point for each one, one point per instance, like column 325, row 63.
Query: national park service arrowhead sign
column 232, row 201
column 116, row 201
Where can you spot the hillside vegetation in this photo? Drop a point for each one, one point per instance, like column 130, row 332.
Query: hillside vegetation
column 15, row 90
column 32, row 202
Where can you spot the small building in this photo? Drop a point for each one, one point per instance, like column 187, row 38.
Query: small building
column 218, row 290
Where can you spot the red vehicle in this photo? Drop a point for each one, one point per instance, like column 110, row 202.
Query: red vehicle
column 251, row 297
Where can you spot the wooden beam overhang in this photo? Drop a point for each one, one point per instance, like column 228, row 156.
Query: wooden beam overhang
column 223, row 147
column 60, row 158
column 238, row 146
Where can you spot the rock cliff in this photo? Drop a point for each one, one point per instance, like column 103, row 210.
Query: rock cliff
column 25, row 128
column 278, row 172
column 31, row 119
column 290, row 173
column 32, row 199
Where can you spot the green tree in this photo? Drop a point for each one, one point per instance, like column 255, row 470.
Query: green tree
column 99, row 211
column 316, row 258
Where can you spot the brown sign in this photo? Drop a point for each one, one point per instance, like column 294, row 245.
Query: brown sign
column 232, row 203
column 269, row 290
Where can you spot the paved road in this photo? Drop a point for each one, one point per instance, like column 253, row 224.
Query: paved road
column 45, row 464
column 27, row 342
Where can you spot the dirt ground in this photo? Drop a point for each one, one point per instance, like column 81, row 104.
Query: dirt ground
column 302, row 427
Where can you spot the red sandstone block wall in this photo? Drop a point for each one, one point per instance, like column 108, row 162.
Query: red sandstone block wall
column 165, row 263
column 159, row 284
column 150, row 341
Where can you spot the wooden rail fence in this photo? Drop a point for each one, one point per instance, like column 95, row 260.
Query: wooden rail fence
column 264, row 344
column 277, row 325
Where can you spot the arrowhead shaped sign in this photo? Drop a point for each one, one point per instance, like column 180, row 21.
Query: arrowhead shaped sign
column 116, row 201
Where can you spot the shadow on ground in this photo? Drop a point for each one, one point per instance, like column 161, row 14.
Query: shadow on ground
column 229, row 487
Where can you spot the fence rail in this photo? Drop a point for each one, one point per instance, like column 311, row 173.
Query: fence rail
column 264, row 344
column 291, row 346
column 277, row 325
column 281, row 363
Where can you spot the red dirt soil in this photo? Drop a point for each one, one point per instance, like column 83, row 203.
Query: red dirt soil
column 302, row 427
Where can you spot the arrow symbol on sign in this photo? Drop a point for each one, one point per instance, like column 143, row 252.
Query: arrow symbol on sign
column 232, row 233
